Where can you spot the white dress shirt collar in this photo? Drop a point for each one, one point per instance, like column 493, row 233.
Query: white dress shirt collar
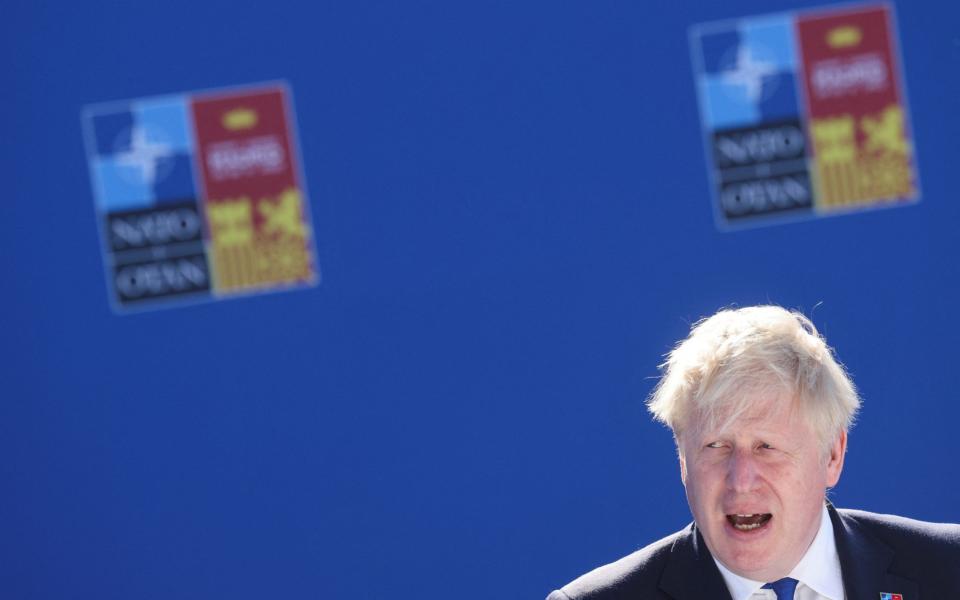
column 819, row 569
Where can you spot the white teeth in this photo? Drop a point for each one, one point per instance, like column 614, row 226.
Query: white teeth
column 748, row 521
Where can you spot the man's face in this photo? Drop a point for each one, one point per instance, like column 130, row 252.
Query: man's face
column 757, row 488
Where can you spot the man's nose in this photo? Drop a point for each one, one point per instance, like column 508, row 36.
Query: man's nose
column 742, row 474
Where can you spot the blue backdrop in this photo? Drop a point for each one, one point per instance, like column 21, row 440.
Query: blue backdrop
column 513, row 223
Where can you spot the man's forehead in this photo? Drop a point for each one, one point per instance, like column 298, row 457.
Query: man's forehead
column 762, row 413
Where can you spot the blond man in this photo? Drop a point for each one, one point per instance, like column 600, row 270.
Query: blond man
column 760, row 410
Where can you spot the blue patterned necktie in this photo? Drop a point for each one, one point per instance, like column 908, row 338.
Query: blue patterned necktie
column 783, row 588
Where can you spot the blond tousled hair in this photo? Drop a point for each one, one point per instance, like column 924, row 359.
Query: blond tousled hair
column 707, row 376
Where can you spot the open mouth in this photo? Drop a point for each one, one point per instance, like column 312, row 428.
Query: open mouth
column 749, row 522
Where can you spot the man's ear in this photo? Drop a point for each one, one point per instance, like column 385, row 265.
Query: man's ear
column 835, row 459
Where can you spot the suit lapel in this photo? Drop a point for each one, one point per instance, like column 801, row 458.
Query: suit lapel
column 865, row 562
column 691, row 573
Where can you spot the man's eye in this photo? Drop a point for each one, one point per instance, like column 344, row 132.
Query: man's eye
column 715, row 445
column 766, row 447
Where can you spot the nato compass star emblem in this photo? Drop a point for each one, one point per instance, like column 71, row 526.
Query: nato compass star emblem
column 145, row 154
column 751, row 71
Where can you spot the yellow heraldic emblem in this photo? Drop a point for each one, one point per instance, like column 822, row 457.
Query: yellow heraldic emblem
column 231, row 222
column 283, row 216
column 846, row 36
column 877, row 169
column 259, row 244
column 239, row 119
column 885, row 133
column 835, row 140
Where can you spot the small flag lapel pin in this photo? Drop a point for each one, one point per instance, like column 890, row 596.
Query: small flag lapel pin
column 888, row 596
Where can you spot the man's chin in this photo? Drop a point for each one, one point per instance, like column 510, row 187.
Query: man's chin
column 756, row 566
column 749, row 553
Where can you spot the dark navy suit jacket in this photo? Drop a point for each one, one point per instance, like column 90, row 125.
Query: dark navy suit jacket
column 878, row 553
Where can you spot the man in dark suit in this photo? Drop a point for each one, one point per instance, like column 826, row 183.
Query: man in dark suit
column 760, row 411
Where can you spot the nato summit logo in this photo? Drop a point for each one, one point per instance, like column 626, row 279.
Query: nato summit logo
column 199, row 196
column 803, row 114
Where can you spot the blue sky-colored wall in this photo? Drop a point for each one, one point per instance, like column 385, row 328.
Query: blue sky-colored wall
column 512, row 215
